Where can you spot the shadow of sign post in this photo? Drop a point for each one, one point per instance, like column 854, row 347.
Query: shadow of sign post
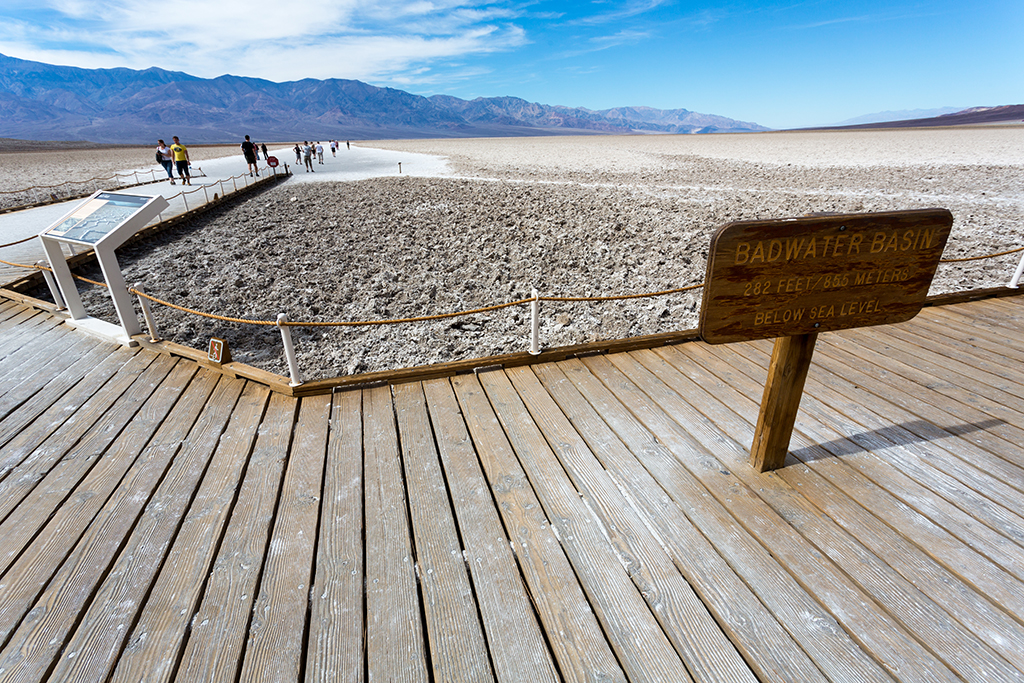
column 792, row 279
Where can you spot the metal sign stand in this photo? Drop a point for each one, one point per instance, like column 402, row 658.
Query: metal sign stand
column 104, row 222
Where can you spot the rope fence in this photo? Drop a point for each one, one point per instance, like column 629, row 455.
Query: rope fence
column 53, row 198
column 284, row 324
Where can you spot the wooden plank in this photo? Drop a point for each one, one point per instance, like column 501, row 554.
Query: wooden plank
column 275, row 648
column 936, row 525
column 27, row 329
column 947, row 390
column 22, row 383
column 458, row 651
column 111, row 499
column 508, row 360
column 995, row 321
column 766, row 646
column 24, row 318
column 901, row 596
column 995, row 343
column 969, row 378
column 54, row 541
column 8, row 308
column 218, row 630
column 518, row 648
column 983, row 443
column 885, row 640
column 336, row 649
column 168, row 600
column 395, row 648
column 953, row 350
column 835, row 653
column 45, row 354
column 554, row 588
column 113, row 554
column 977, row 552
column 931, row 468
column 934, row 400
column 22, row 441
column 620, row 563
column 32, row 397
column 43, row 480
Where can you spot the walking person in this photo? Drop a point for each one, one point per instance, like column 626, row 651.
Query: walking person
column 263, row 148
column 166, row 158
column 250, row 154
column 320, row 152
column 307, row 156
column 298, row 154
column 181, row 160
column 334, row 148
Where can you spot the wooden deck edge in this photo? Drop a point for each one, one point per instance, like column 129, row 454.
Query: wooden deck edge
column 281, row 385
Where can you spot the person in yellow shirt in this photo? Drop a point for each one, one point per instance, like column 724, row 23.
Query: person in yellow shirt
column 181, row 160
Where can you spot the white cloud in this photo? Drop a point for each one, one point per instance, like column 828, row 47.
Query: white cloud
column 360, row 39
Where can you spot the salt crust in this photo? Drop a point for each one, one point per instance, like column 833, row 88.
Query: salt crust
column 574, row 216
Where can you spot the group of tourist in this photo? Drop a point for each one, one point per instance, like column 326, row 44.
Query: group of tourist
column 175, row 155
column 306, row 151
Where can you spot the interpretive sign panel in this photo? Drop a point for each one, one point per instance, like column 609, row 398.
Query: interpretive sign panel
column 98, row 217
column 780, row 278
column 104, row 222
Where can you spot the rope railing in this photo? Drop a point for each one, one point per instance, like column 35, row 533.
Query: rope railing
column 980, row 258
column 284, row 324
column 97, row 179
column 53, row 198
column 182, row 194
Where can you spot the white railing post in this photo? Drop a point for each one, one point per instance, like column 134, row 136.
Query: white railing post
column 1015, row 281
column 184, row 198
column 147, row 313
column 289, row 350
column 535, row 323
column 44, row 268
column 206, row 194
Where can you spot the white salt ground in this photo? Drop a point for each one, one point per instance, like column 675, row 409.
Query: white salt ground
column 592, row 215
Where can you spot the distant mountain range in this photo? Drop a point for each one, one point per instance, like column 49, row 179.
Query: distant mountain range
column 966, row 117
column 46, row 102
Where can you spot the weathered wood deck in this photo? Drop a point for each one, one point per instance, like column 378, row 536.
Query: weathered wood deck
column 587, row 520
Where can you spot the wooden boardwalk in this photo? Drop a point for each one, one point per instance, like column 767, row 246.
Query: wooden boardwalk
column 593, row 519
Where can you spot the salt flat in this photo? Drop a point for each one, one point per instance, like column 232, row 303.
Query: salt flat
column 572, row 216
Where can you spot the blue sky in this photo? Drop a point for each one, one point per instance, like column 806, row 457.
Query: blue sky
column 782, row 65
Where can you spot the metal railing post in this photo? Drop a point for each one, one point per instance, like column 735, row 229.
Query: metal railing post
column 535, row 323
column 1015, row 280
column 147, row 313
column 289, row 350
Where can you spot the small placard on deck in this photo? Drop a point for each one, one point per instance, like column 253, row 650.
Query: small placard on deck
column 780, row 278
column 218, row 352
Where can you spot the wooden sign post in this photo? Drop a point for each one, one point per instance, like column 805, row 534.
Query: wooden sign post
column 792, row 279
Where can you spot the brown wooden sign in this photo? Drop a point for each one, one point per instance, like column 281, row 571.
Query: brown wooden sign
column 780, row 278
